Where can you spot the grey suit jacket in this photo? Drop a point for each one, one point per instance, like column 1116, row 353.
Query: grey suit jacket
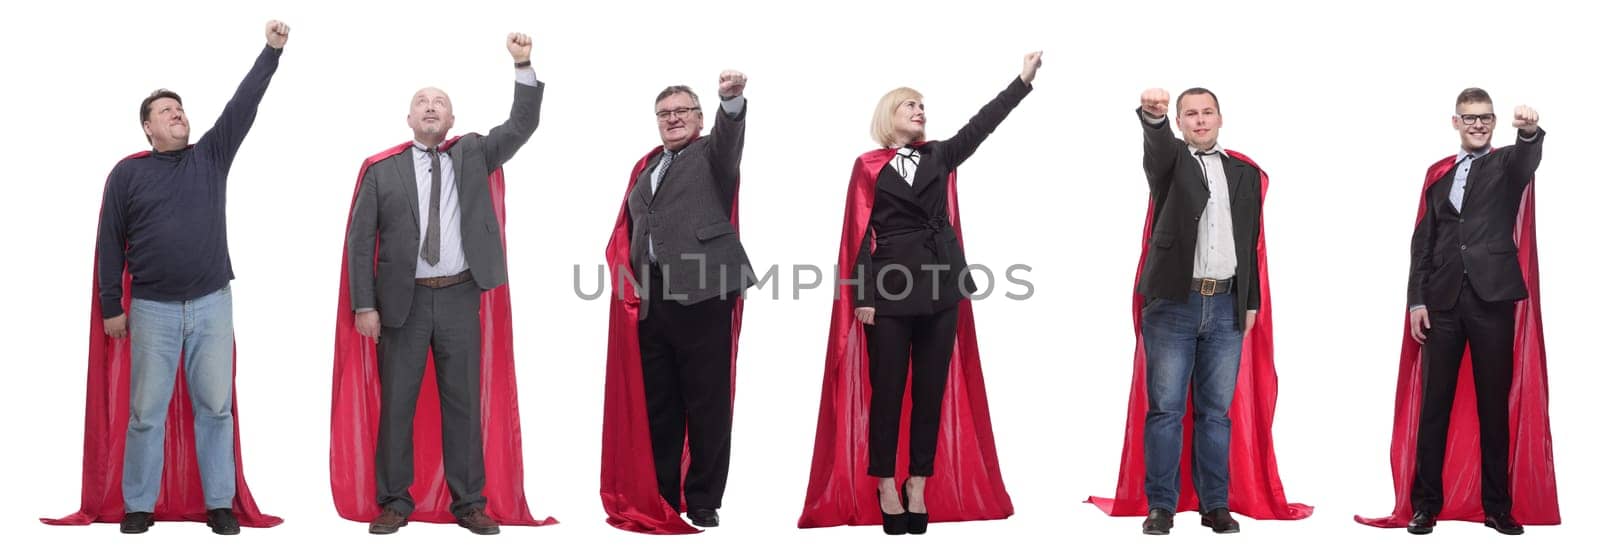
column 385, row 216
column 689, row 217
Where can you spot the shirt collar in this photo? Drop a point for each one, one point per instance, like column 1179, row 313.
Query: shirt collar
column 1480, row 153
column 1217, row 148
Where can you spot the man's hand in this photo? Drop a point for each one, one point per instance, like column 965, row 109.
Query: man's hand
column 117, row 327
column 1030, row 65
column 520, row 47
column 277, row 34
column 1154, row 103
column 1420, row 324
column 367, row 323
column 867, row 315
column 1525, row 119
column 1249, row 321
column 730, row 84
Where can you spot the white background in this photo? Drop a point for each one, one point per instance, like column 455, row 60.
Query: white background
column 1344, row 104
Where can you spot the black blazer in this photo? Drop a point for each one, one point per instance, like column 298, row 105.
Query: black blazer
column 386, row 208
column 1449, row 244
column 911, row 223
column 1180, row 192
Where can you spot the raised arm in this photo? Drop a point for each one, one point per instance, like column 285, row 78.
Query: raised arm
column 223, row 139
column 505, row 139
column 1160, row 147
column 727, row 137
column 1528, row 151
column 961, row 146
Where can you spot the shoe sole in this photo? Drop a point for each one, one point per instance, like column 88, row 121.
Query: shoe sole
column 481, row 532
column 1506, row 532
column 1207, row 524
column 233, row 532
column 386, row 531
column 1419, row 531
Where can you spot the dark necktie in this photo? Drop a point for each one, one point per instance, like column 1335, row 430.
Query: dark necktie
column 430, row 243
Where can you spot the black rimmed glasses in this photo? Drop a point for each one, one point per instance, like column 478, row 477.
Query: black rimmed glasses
column 1473, row 119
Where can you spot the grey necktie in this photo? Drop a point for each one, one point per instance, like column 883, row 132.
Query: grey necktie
column 430, row 243
column 661, row 170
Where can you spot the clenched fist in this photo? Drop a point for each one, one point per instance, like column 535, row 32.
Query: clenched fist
column 730, row 84
column 277, row 34
column 1525, row 119
column 1030, row 65
column 1154, row 102
column 520, row 47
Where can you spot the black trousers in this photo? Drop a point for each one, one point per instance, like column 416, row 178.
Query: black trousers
column 686, row 352
column 922, row 345
column 445, row 320
column 1488, row 327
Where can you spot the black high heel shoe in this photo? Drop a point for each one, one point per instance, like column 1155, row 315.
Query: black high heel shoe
column 916, row 523
column 893, row 525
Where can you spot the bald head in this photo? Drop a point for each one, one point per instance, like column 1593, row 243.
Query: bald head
column 431, row 116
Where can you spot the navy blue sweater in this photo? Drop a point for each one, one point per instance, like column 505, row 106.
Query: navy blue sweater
column 165, row 214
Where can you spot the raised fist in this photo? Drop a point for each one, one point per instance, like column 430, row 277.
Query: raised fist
column 277, row 33
column 1154, row 102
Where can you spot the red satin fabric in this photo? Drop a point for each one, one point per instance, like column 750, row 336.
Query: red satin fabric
column 627, row 468
column 356, row 402
column 105, row 427
column 1532, row 461
column 966, row 484
column 1254, row 488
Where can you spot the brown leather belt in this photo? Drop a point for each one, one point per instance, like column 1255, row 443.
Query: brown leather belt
column 445, row 281
column 1210, row 287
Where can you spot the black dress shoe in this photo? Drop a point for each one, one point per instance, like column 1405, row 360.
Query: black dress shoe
column 1220, row 521
column 1421, row 523
column 222, row 522
column 1159, row 523
column 893, row 524
column 1503, row 523
column 137, row 522
column 704, row 518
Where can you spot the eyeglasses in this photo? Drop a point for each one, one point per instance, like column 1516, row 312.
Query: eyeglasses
column 1472, row 119
column 680, row 113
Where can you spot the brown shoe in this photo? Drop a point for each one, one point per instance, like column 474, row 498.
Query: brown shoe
column 478, row 523
column 387, row 523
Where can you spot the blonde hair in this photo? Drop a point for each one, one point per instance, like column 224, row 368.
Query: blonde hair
column 883, row 117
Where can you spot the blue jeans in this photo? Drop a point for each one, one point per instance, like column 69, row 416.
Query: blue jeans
column 201, row 332
column 1199, row 341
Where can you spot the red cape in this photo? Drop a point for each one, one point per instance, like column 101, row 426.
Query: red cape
column 356, row 401
column 1532, row 462
column 968, row 486
column 627, row 469
column 1253, row 485
column 105, row 428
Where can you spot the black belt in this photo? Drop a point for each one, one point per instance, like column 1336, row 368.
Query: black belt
column 1209, row 287
column 445, row 281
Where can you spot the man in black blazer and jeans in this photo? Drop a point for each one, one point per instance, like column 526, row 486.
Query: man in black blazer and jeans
column 1201, row 293
column 1465, row 283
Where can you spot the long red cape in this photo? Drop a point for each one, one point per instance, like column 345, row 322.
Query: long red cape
column 1253, row 485
column 968, row 485
column 1532, row 461
column 627, row 468
column 356, row 402
column 105, row 428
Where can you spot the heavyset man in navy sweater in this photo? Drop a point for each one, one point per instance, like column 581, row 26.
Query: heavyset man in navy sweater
column 165, row 216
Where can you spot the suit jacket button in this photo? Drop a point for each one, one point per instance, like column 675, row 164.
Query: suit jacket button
column 1197, row 218
column 1463, row 247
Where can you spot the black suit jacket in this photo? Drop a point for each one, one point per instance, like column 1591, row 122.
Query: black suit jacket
column 1475, row 241
column 1179, row 190
column 386, row 209
column 911, row 225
